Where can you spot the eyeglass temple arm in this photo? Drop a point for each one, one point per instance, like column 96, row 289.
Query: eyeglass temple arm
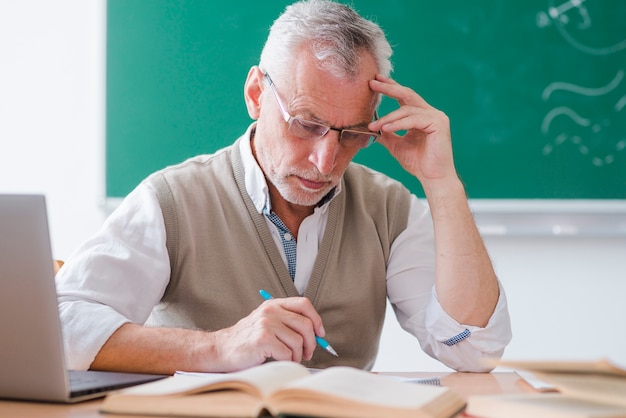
column 283, row 110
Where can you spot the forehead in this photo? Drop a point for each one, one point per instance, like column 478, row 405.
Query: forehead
column 315, row 92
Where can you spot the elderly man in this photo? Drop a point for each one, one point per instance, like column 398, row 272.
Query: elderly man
column 172, row 280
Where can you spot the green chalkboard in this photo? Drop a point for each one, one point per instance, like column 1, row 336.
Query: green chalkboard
column 535, row 89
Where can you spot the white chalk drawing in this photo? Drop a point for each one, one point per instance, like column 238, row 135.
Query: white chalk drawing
column 583, row 130
column 574, row 21
column 600, row 138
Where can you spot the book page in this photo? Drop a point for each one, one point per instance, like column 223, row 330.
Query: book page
column 534, row 383
column 349, row 392
column 226, row 395
column 260, row 381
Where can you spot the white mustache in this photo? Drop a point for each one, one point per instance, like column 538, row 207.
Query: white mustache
column 313, row 176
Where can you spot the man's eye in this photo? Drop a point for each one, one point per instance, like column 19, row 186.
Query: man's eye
column 309, row 127
column 352, row 136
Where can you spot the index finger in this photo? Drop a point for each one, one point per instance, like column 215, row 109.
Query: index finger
column 304, row 307
column 404, row 95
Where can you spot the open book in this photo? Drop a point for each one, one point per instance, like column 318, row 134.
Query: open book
column 594, row 389
column 285, row 388
column 600, row 366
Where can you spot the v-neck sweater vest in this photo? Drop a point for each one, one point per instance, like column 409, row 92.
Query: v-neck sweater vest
column 222, row 253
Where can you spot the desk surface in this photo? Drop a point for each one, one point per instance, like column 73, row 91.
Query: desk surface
column 465, row 384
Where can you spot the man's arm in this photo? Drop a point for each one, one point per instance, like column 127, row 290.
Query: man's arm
column 109, row 287
column 280, row 329
column 465, row 282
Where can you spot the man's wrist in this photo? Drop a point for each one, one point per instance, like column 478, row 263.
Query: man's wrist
column 444, row 191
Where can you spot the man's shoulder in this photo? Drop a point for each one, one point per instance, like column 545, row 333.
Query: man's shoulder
column 220, row 156
column 358, row 174
column 201, row 164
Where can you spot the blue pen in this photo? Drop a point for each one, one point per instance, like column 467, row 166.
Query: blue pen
column 320, row 341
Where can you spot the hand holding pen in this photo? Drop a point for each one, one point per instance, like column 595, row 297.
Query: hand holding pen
column 320, row 341
column 278, row 329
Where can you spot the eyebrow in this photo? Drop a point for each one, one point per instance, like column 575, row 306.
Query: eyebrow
column 313, row 118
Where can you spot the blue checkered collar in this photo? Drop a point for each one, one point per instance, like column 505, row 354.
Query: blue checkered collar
column 256, row 185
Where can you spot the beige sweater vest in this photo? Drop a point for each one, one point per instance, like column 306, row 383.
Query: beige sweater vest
column 222, row 253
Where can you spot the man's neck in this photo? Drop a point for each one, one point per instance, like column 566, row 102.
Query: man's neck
column 291, row 214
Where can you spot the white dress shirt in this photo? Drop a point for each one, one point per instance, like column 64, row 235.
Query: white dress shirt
column 121, row 273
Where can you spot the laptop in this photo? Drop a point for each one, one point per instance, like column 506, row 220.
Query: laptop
column 32, row 361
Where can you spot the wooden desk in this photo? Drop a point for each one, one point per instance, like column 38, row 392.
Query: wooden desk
column 466, row 384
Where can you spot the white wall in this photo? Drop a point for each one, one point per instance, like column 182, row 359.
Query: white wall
column 565, row 293
column 566, row 300
column 52, row 110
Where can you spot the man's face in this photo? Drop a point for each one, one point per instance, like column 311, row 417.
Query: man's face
column 303, row 171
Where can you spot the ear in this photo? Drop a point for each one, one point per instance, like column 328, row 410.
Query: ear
column 252, row 92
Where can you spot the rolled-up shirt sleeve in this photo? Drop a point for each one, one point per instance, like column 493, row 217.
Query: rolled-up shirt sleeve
column 116, row 277
column 411, row 292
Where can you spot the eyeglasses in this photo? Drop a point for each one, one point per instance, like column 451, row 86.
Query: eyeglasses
column 306, row 129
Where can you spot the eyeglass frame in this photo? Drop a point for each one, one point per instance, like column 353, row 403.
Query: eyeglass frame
column 289, row 119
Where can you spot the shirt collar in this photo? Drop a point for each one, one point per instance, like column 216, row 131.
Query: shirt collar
column 256, row 185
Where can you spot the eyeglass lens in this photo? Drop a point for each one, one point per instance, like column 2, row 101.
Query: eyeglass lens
column 307, row 129
column 312, row 130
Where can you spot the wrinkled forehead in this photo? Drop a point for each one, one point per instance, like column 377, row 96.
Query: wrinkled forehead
column 317, row 78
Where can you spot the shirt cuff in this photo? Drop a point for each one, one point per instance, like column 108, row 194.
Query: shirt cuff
column 86, row 327
column 489, row 339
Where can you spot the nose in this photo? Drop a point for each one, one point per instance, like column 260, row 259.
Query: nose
column 324, row 152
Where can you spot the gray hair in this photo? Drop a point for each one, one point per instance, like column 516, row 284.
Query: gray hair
column 336, row 34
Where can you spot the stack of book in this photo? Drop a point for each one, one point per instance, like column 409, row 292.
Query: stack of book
column 568, row 389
